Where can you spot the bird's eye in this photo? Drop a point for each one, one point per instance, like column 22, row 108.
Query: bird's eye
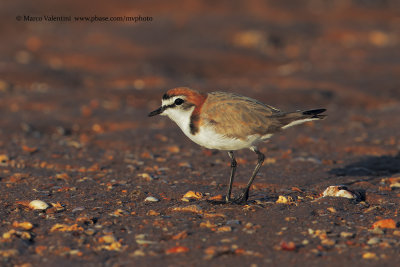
column 179, row 101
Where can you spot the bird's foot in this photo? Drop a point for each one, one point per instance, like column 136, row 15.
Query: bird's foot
column 242, row 198
column 228, row 200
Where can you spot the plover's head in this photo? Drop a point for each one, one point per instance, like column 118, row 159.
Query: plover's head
column 179, row 102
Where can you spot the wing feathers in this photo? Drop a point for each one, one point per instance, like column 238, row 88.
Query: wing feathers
column 239, row 117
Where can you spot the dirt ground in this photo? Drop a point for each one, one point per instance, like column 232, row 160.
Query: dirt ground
column 74, row 133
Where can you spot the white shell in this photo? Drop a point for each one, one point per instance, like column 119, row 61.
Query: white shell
column 38, row 205
column 338, row 191
column 151, row 199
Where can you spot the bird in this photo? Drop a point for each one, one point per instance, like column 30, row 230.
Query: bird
column 229, row 122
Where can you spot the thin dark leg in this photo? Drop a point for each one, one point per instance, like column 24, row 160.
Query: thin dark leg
column 233, row 169
column 245, row 195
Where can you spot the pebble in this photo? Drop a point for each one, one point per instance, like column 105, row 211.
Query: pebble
column 377, row 231
column 374, row 241
column 145, row 242
column 108, row 239
column 38, row 205
column 233, row 222
column 192, row 195
column 3, row 160
column 190, row 208
column 285, row 200
column 369, row 255
column 347, row 234
column 385, row 223
column 396, row 233
column 331, row 209
column 151, row 199
column 146, row 176
column 224, row 229
column 338, row 191
column 23, row 225
column 90, row 232
column 78, row 209
column 138, row 253
column 328, row 242
column 7, row 253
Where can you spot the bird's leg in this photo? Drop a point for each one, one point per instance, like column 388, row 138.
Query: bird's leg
column 233, row 169
column 245, row 195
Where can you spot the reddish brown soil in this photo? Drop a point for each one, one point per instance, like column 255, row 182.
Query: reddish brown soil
column 74, row 132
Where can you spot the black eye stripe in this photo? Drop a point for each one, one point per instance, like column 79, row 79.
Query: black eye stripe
column 169, row 106
column 185, row 106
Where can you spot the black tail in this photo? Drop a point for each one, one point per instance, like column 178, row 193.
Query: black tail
column 314, row 113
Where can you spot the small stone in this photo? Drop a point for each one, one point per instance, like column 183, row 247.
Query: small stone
column 38, row 205
column 7, row 253
column 285, row 200
column 90, row 232
column 177, row 249
column 331, row 209
column 290, row 219
column 151, row 199
column 75, row 252
column 328, row 242
column 338, row 191
column 287, row 246
column 145, row 242
column 233, row 222
column 108, row 239
column 207, row 224
column 347, row 234
column 23, row 225
column 3, row 160
column 173, row 149
column 152, row 213
column 77, row 209
column 192, row 208
column 374, row 241
column 377, row 231
column 224, row 229
column 386, row 223
column 138, row 253
column 396, row 232
column 146, row 176
column 369, row 255
column 192, row 195
column 180, row 235
column 9, row 234
column 140, row 239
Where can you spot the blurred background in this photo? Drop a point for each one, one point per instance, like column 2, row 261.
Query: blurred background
column 74, row 99
column 100, row 77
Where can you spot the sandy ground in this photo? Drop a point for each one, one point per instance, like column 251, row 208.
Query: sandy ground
column 74, row 133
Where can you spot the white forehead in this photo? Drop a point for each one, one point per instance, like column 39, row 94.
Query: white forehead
column 171, row 100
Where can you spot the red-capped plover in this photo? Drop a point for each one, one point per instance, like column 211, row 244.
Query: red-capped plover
column 228, row 121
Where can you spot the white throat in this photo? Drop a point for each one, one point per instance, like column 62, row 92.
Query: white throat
column 181, row 118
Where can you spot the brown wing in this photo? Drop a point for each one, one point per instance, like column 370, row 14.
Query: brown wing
column 237, row 116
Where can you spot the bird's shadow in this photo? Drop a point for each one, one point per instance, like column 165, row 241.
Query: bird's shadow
column 372, row 166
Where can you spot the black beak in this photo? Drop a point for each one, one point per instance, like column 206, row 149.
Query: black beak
column 157, row 111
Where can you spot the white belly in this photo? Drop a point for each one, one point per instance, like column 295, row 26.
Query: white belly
column 207, row 137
